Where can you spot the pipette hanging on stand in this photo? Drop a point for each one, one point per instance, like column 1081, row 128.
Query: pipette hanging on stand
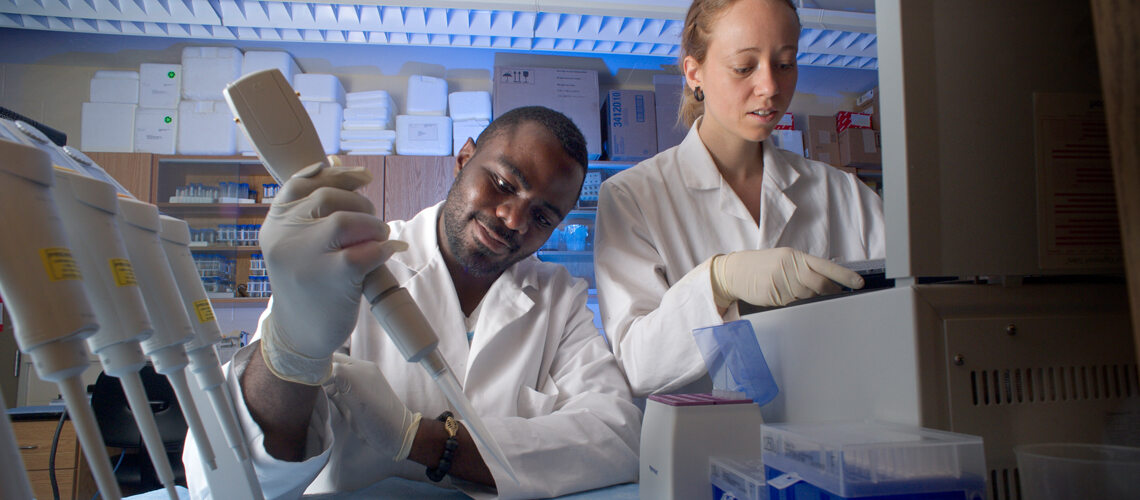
column 41, row 283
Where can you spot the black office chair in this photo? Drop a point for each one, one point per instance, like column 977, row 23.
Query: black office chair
column 135, row 473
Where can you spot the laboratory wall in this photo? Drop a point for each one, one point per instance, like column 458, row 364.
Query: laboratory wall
column 46, row 75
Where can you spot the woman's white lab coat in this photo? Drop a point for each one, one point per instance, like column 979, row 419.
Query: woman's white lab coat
column 660, row 219
column 537, row 371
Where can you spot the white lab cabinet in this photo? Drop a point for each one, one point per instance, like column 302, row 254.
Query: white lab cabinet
column 1014, row 365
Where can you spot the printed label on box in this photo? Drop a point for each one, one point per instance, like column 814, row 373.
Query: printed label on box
column 424, row 131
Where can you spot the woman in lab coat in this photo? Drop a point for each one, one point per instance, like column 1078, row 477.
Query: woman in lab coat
column 724, row 216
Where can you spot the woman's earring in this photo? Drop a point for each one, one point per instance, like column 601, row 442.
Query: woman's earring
column 699, row 94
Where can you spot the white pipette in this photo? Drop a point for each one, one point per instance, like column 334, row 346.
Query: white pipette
column 88, row 208
column 140, row 226
column 272, row 117
column 175, row 236
column 41, row 282
column 204, row 363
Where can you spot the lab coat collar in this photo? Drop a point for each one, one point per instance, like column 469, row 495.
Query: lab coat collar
column 508, row 299
column 777, row 209
column 699, row 172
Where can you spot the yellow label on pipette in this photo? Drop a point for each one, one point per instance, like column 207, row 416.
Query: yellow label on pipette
column 59, row 263
column 123, row 272
column 204, row 311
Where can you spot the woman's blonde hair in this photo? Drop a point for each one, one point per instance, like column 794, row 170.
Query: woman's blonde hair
column 695, row 42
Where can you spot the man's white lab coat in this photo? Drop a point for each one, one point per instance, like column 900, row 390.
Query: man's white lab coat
column 660, row 219
column 537, row 372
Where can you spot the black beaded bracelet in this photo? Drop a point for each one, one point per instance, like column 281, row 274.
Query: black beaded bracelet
column 452, row 426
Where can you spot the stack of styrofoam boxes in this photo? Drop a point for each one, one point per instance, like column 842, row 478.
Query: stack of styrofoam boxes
column 205, row 123
column 323, row 98
column 255, row 61
column 156, row 120
column 426, row 129
column 470, row 114
column 108, row 122
column 369, row 123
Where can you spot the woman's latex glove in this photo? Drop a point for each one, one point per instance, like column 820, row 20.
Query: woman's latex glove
column 319, row 240
column 361, row 393
column 775, row 277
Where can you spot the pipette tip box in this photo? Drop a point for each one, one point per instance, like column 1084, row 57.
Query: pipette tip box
column 871, row 460
column 742, row 479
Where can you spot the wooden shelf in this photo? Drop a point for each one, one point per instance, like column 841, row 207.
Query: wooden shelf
column 241, row 300
column 227, row 249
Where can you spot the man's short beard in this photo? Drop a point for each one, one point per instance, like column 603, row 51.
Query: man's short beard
column 472, row 259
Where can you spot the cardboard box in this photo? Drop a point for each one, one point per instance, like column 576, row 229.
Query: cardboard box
column 667, row 96
column 868, row 103
column 789, row 140
column 574, row 92
column 850, row 119
column 787, row 122
column 821, row 143
column 860, row 147
column 631, row 125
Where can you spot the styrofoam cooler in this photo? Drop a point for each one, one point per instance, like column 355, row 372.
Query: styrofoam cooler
column 108, row 127
column 423, row 135
column 427, row 96
column 160, row 85
column 206, row 128
column 461, row 130
column 319, row 87
column 361, row 147
column 207, row 70
column 327, row 118
column 368, row 135
column 156, row 131
column 359, row 99
column 469, row 105
column 257, row 60
column 115, row 86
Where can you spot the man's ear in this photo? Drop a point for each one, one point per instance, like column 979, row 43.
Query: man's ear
column 465, row 154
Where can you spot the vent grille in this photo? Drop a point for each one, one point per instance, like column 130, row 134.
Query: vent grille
column 1005, row 484
column 1055, row 383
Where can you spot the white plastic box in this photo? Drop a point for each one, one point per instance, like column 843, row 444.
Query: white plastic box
column 469, row 106
column 206, row 128
column 461, row 130
column 108, row 127
column 423, row 135
column 743, row 479
column 327, row 118
column 319, row 87
column 156, row 131
column 207, row 70
column 257, row 60
column 863, row 459
column 427, row 96
column 115, row 86
column 160, row 85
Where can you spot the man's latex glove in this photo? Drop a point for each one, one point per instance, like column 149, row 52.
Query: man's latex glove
column 319, row 240
column 361, row 393
column 775, row 277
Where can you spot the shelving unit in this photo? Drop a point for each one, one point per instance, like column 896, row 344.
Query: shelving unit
column 174, row 172
column 579, row 258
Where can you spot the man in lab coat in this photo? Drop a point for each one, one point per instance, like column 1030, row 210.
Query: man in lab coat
column 515, row 331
